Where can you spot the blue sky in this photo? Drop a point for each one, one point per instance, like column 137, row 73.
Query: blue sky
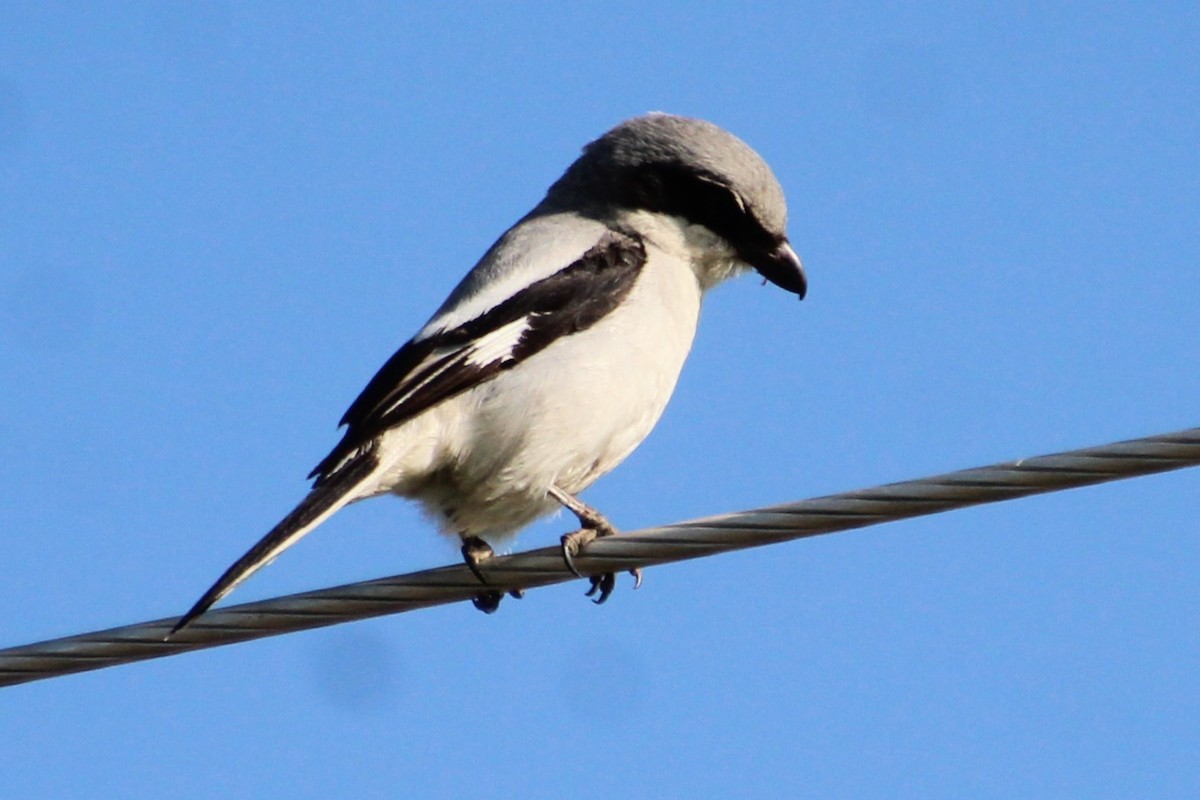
column 217, row 220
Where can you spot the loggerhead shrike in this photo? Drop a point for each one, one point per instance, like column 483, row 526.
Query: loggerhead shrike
column 555, row 356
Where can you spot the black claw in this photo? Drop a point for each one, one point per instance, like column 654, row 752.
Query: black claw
column 568, row 558
column 604, row 584
column 595, row 526
column 475, row 551
column 487, row 602
column 478, row 575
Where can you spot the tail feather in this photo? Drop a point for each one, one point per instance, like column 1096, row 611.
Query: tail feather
column 321, row 503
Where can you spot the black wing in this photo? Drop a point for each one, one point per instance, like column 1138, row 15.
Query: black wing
column 427, row 371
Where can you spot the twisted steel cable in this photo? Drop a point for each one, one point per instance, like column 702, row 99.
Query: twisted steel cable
column 643, row 548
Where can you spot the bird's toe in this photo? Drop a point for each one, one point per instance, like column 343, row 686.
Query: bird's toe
column 573, row 544
column 487, row 602
column 601, row 585
column 475, row 551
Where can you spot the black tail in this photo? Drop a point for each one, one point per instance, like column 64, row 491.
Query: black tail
column 326, row 498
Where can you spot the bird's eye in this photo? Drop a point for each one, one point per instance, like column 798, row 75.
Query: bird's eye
column 699, row 198
column 721, row 194
column 647, row 190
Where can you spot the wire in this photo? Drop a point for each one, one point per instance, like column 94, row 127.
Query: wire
column 643, row 548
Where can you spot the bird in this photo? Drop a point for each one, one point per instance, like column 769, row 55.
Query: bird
column 555, row 356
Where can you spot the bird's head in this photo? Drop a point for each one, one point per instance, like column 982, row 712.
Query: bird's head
column 694, row 170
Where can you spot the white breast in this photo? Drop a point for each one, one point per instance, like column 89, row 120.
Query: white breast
column 564, row 417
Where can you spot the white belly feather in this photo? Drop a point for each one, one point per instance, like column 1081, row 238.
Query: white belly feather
column 585, row 402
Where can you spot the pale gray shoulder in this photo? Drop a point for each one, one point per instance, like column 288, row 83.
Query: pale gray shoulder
column 533, row 249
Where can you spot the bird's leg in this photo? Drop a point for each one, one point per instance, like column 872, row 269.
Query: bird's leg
column 592, row 525
column 475, row 551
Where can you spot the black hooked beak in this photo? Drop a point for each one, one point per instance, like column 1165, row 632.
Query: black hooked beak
column 783, row 268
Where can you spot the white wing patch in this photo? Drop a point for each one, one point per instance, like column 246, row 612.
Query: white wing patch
column 494, row 347
column 499, row 344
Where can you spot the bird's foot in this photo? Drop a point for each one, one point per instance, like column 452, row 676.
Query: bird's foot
column 475, row 551
column 593, row 525
column 573, row 544
column 487, row 602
